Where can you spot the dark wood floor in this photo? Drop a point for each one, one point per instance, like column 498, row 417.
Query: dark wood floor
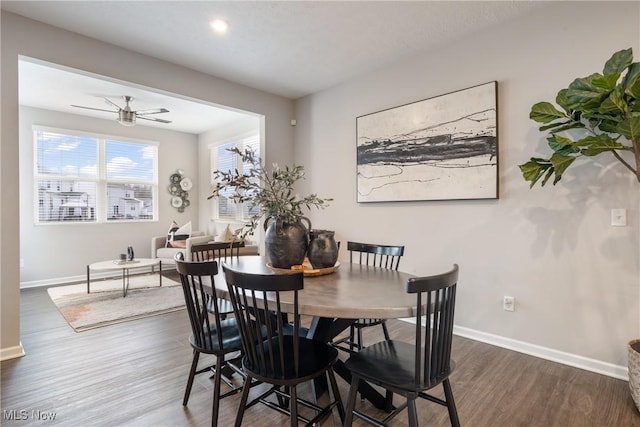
column 133, row 374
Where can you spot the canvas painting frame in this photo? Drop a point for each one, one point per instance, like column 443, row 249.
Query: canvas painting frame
column 440, row 148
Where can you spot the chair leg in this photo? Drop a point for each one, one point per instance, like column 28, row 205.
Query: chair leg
column 388, row 401
column 351, row 401
column 216, row 391
column 385, row 331
column 412, row 412
column 192, row 374
column 336, row 393
column 294, row 406
column 352, row 337
column 243, row 400
column 451, row 404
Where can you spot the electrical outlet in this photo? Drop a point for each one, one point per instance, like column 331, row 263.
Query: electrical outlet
column 509, row 303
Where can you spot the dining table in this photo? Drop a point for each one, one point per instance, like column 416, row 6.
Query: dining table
column 334, row 301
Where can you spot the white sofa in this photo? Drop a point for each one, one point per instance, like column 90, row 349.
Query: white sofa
column 159, row 249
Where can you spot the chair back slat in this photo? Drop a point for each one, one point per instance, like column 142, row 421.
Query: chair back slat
column 435, row 300
column 384, row 256
column 216, row 250
column 193, row 276
column 270, row 349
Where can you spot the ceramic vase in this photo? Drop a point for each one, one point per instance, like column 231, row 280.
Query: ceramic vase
column 323, row 249
column 286, row 243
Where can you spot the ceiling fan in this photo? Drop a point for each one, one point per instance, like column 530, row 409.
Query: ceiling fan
column 126, row 116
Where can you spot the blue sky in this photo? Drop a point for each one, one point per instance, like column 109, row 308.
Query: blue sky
column 77, row 156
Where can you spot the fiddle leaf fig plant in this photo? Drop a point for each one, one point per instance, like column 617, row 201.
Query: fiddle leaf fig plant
column 598, row 114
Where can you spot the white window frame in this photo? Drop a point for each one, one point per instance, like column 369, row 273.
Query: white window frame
column 101, row 180
column 213, row 152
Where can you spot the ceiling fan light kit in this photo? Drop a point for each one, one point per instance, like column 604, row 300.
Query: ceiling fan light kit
column 126, row 116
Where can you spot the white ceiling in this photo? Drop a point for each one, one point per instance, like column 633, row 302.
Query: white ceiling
column 73, row 88
column 289, row 48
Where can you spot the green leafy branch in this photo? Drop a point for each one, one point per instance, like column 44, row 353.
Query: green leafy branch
column 272, row 192
column 605, row 111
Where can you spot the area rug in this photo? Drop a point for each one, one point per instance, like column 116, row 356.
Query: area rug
column 106, row 306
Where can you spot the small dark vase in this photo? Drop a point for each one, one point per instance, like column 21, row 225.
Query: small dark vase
column 323, row 249
column 286, row 243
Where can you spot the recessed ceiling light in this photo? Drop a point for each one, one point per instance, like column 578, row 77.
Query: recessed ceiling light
column 219, row 25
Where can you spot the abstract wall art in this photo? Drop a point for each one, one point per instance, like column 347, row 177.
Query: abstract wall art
column 441, row 148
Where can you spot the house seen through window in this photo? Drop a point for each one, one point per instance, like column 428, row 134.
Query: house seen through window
column 87, row 178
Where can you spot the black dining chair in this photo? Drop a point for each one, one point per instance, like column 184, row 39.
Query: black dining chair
column 216, row 250
column 411, row 369
column 211, row 333
column 274, row 351
column 383, row 256
column 219, row 251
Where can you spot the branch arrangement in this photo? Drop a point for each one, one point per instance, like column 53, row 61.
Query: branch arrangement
column 272, row 192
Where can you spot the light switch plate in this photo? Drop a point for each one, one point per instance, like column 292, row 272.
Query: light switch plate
column 618, row 217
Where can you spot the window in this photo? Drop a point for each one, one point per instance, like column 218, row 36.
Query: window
column 225, row 160
column 87, row 178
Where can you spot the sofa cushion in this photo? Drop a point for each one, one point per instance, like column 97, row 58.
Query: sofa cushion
column 169, row 253
column 177, row 236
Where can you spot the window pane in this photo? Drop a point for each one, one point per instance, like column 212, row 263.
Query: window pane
column 72, row 173
column 226, row 161
column 66, row 155
column 66, row 201
column 130, row 161
column 129, row 201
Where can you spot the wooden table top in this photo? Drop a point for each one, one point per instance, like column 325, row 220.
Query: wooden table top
column 353, row 291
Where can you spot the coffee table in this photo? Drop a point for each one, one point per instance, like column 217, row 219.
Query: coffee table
column 125, row 266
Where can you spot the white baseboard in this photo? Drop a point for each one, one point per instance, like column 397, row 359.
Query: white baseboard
column 51, row 282
column 80, row 279
column 11, row 352
column 577, row 361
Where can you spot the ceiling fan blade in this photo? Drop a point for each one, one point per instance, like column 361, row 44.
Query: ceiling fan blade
column 108, row 101
column 153, row 119
column 154, row 111
column 91, row 108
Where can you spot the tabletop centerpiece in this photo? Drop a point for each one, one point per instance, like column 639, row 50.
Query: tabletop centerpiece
column 271, row 195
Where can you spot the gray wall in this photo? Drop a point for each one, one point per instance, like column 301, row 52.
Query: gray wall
column 20, row 36
column 575, row 278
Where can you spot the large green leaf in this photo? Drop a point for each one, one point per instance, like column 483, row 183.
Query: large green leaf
column 606, row 82
column 562, row 145
column 618, row 62
column 631, row 83
column 614, row 104
column 583, row 95
column 560, row 164
column 545, row 112
column 630, row 127
column 610, row 126
column 562, row 126
column 534, row 169
column 561, row 100
column 594, row 145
